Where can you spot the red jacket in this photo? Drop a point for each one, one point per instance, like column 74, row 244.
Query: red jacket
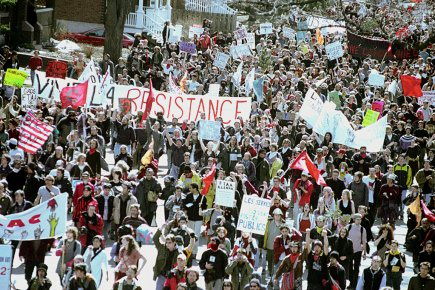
column 78, row 192
column 94, row 226
column 278, row 244
column 174, row 278
column 305, row 197
column 82, row 206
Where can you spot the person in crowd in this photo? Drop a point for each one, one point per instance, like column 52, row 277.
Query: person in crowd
column 129, row 281
column 122, row 205
column 90, row 224
column 33, row 253
column 40, row 281
column 129, row 254
column 177, row 275
column 68, row 248
column 394, row 264
column 105, row 202
column 372, row 277
column 214, row 261
column 240, row 269
column 337, row 274
column 358, row 236
column 147, row 192
column 81, row 279
column 96, row 260
column 423, row 280
column 291, row 269
column 317, row 261
column 83, row 203
column 166, row 256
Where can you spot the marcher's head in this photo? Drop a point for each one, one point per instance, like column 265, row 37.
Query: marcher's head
column 135, row 210
column 343, row 232
column 376, row 263
column 72, row 233
column 131, row 272
column 149, row 173
column 97, row 241
column 254, row 284
column 87, row 190
column 277, row 214
column 170, row 242
column 424, row 269
column 284, row 229
column 320, row 221
column 192, row 276
column 91, row 209
column 357, row 218
column 19, row 196
column 394, row 245
column 333, row 258
column 317, row 247
column 428, row 246
column 80, row 270
column 425, row 224
column 42, row 270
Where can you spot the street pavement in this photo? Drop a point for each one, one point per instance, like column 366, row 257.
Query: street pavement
column 149, row 251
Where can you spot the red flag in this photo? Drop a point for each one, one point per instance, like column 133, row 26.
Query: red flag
column 411, row 86
column 208, row 180
column 74, row 96
column 303, row 162
column 149, row 103
column 427, row 212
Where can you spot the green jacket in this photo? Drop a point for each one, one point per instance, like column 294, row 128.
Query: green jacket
column 240, row 274
column 420, row 177
column 162, row 255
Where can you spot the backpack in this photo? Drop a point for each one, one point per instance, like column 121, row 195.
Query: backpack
column 367, row 244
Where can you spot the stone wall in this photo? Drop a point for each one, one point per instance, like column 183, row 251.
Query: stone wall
column 45, row 21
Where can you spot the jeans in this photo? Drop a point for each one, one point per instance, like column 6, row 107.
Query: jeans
column 169, row 156
column 175, row 170
column 355, row 263
column 117, row 149
column 196, row 227
column 160, row 282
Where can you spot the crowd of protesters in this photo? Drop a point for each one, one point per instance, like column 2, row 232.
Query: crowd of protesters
column 324, row 231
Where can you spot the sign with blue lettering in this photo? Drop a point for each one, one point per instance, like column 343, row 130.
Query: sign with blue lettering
column 253, row 214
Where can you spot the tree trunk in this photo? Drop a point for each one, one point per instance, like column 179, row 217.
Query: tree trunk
column 116, row 14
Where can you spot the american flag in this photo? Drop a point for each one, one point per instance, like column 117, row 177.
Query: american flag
column 33, row 133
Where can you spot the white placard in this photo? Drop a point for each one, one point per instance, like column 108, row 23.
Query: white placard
column 428, row 96
column 195, row 30
column 5, row 266
column 266, row 28
column 213, row 90
column 225, row 193
column 239, row 51
column 311, row 107
column 175, row 33
column 376, row 79
column 221, row 60
column 253, row 214
column 392, row 87
column 29, row 99
column 240, row 33
column 334, row 50
column 250, row 40
column 288, row 33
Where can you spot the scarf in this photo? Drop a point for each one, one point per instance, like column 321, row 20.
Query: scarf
column 92, row 151
column 394, row 253
column 319, row 230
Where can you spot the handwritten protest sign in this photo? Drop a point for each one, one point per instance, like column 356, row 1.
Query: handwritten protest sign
column 311, row 107
column 194, row 30
column 288, row 33
column 210, row 130
column 334, row 97
column 239, row 51
column 304, row 49
column 225, row 193
column 15, row 78
column 188, row 47
column 334, row 50
column 29, row 99
column 175, row 33
column 392, row 87
column 370, row 117
column 250, row 40
column 5, row 266
column 378, row 106
column 376, row 79
column 253, row 214
column 221, row 60
column 56, row 69
column 428, row 96
column 266, row 28
column 240, row 33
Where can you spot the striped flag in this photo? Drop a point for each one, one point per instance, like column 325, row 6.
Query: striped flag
column 33, row 133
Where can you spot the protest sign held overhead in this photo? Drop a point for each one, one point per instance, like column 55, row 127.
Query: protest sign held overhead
column 210, row 130
column 253, row 214
column 370, row 117
column 29, row 99
column 240, row 51
column 266, row 28
column 221, row 60
column 56, row 69
column 428, row 96
column 334, row 50
column 240, row 33
column 188, row 47
column 225, row 193
column 195, row 30
column 44, row 221
column 376, row 79
column 15, row 78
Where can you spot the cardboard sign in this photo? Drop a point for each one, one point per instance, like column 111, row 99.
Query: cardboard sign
column 370, row 117
column 188, row 47
column 334, row 50
column 428, row 96
column 266, row 28
column 213, row 90
column 29, row 99
column 193, row 30
column 56, row 69
column 5, row 266
column 288, row 33
column 210, row 130
column 15, row 78
column 221, row 60
column 240, row 33
column 253, row 214
column 240, row 51
column 376, row 79
column 334, row 97
column 225, row 193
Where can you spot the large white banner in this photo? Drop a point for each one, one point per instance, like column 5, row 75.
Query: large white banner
column 253, row 214
column 311, row 107
column 5, row 266
column 324, row 121
column 172, row 105
column 44, row 221
column 371, row 136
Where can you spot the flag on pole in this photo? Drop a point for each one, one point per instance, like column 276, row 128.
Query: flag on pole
column 427, row 212
column 74, row 96
column 208, row 180
column 411, row 86
column 33, row 133
column 149, row 103
column 303, row 162
column 415, row 209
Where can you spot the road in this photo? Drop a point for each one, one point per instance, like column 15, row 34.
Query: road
column 146, row 277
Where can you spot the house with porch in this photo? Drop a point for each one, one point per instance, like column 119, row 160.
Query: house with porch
column 146, row 16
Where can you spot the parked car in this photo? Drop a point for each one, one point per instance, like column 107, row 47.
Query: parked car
column 96, row 37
